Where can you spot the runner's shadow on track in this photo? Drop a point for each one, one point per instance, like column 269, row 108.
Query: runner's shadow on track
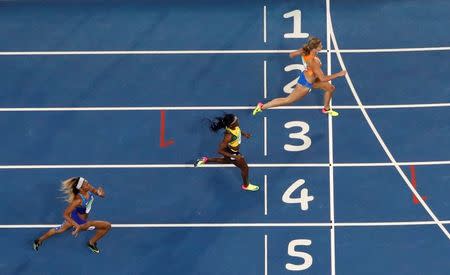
column 205, row 142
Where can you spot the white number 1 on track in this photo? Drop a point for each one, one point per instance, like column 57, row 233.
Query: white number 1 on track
column 297, row 33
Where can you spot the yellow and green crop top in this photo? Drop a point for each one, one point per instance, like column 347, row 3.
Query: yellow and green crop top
column 235, row 136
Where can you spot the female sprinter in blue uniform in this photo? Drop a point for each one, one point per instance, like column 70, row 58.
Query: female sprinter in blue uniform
column 229, row 147
column 311, row 77
column 80, row 196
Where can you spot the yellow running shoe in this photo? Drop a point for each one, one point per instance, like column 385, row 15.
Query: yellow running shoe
column 201, row 162
column 257, row 108
column 250, row 187
column 330, row 111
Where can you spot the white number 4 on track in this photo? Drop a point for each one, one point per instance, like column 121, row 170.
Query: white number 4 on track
column 304, row 198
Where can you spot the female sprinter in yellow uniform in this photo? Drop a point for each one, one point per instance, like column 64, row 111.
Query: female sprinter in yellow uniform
column 229, row 147
column 80, row 196
column 312, row 77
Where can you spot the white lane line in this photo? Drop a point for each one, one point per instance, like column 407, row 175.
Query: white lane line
column 394, row 50
column 265, row 24
column 158, row 166
column 254, row 165
column 375, row 164
column 265, row 255
column 179, row 52
column 195, row 52
column 265, row 79
column 265, row 195
column 205, row 108
column 240, row 225
column 265, row 136
column 393, row 106
column 380, row 140
column 330, row 154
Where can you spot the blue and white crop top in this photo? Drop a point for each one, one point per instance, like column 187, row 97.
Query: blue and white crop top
column 86, row 204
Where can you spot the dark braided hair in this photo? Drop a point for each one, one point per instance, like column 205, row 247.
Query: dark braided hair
column 221, row 122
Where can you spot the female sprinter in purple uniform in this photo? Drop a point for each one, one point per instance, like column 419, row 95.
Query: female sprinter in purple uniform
column 80, row 196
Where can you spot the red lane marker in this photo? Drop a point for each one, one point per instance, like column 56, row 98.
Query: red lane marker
column 414, row 184
column 162, row 131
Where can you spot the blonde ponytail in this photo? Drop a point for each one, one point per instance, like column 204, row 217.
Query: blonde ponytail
column 68, row 187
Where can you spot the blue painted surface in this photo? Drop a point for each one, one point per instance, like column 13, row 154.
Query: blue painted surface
column 391, row 250
column 391, row 24
column 213, row 195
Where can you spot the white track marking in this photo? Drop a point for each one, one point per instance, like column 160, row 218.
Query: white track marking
column 158, row 166
column 375, row 164
column 380, row 140
column 206, row 108
column 265, row 24
column 254, row 165
column 265, row 195
column 265, row 136
column 239, row 225
column 196, row 52
column 330, row 154
column 265, row 255
column 265, row 79
column 394, row 50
